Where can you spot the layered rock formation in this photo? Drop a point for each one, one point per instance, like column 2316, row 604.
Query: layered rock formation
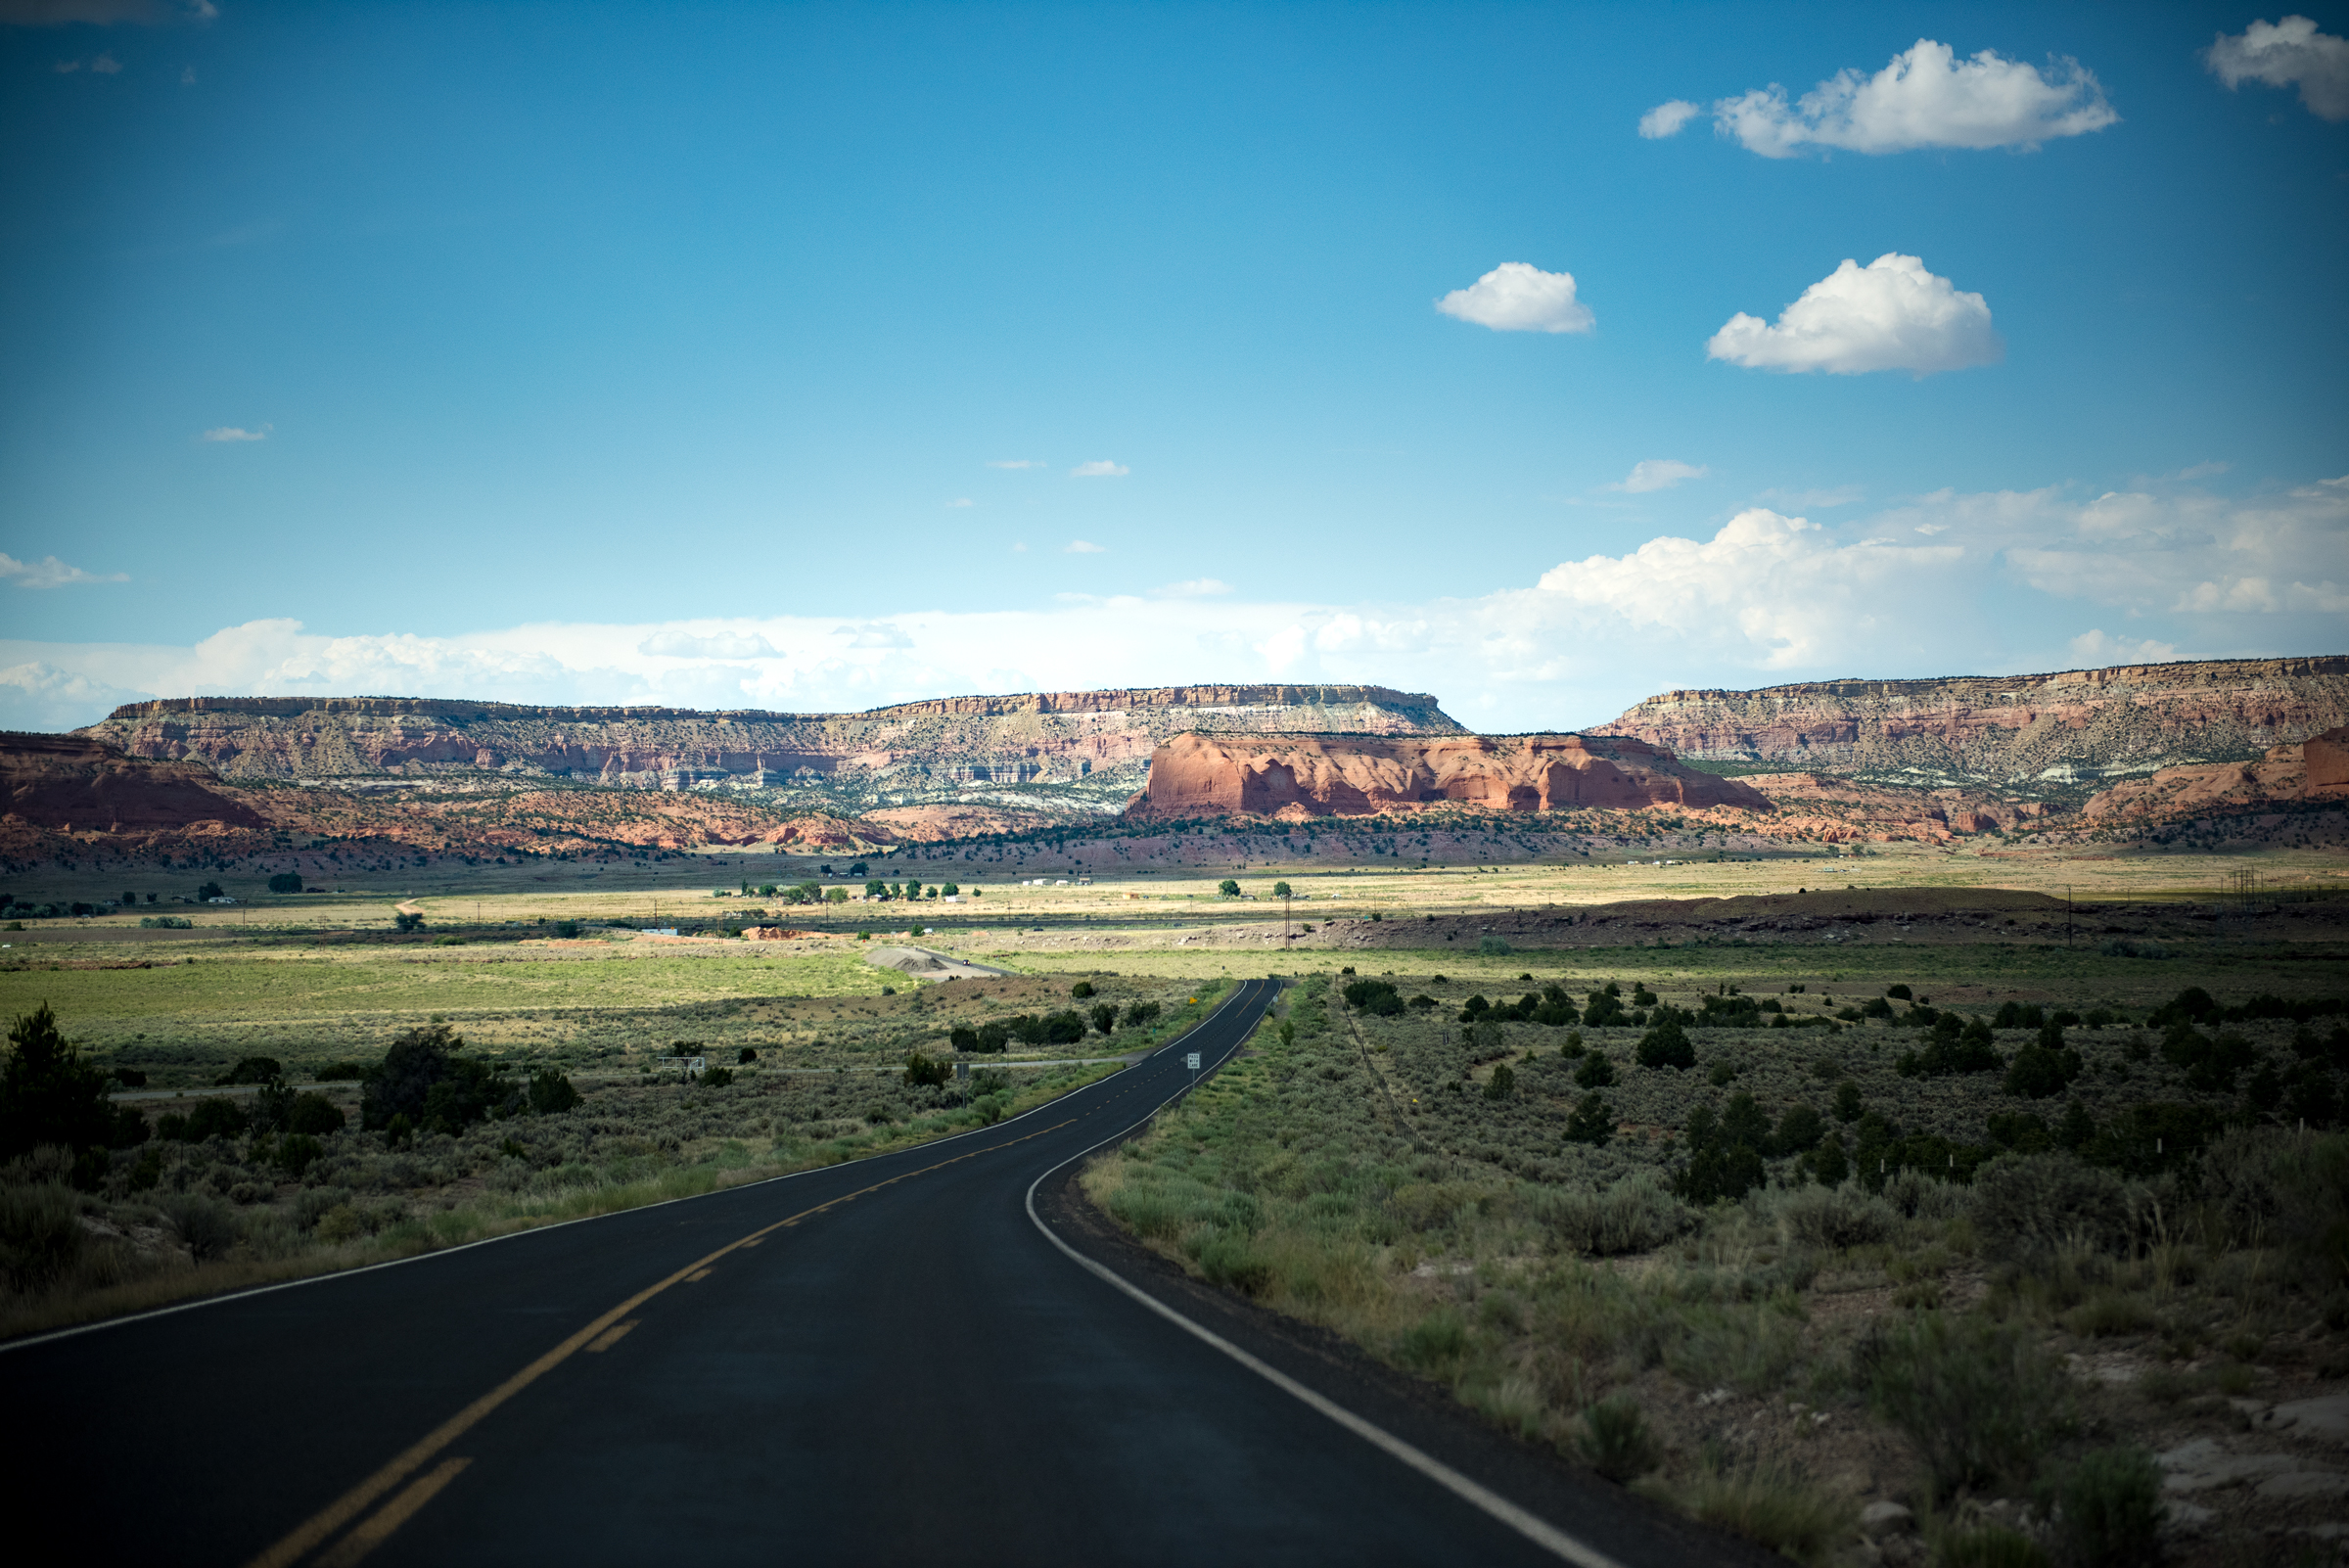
column 952, row 744
column 68, row 784
column 2055, row 731
column 2316, row 770
column 1841, row 810
column 1348, row 775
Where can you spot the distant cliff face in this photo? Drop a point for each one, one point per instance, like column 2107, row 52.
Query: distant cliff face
column 2069, row 729
column 2316, row 770
column 1344, row 775
column 73, row 785
column 1034, row 738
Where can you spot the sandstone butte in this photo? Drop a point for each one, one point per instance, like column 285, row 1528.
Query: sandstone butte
column 1037, row 737
column 2076, row 727
column 2316, row 770
column 1350, row 775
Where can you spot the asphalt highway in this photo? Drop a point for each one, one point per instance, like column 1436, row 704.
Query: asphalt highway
column 885, row 1362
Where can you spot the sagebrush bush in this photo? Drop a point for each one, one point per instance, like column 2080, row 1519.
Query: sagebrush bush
column 1981, row 1400
column 1638, row 1214
column 2027, row 1206
column 205, row 1226
column 1832, row 1217
column 39, row 1236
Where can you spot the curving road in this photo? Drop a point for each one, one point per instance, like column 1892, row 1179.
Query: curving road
column 931, row 1356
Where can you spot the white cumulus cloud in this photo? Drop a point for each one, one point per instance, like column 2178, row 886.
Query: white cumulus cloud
column 2286, row 54
column 1083, row 547
column 49, row 573
column 2094, row 648
column 1926, row 97
column 1517, row 297
column 1658, row 474
column 960, row 501
column 1890, row 315
column 1195, row 589
column 232, row 433
column 678, row 643
column 1099, row 468
column 1666, row 120
column 1015, row 462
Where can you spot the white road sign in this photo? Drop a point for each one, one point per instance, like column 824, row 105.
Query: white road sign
column 1192, row 1061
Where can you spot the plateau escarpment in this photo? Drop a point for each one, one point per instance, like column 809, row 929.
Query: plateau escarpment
column 2063, row 733
column 1092, row 746
column 1351, row 775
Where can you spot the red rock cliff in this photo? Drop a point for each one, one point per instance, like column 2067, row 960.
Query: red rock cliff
column 1348, row 775
column 2071, row 727
column 2316, row 770
column 69, row 784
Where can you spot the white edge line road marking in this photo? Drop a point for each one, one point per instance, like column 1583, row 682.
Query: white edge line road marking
column 1537, row 1530
column 31, row 1340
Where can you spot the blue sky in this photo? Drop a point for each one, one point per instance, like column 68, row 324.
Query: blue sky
column 628, row 353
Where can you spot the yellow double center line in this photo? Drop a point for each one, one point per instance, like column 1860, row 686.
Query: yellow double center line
column 327, row 1521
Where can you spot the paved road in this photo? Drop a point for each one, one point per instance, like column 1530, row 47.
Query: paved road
column 885, row 1362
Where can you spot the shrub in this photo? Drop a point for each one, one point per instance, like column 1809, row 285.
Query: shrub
column 1434, row 1342
column 1980, row 1400
column 1502, row 1085
column 1228, row 888
column 2038, row 1073
column 1667, row 1045
column 39, row 1236
column 1105, row 1017
column 214, row 1118
column 2108, row 1509
column 2030, row 1205
column 1615, row 1439
column 1494, row 947
column 49, row 1096
column 1592, row 1120
column 923, row 1070
column 165, row 923
column 748, row 1055
column 285, row 882
column 1141, row 1014
column 1596, row 1072
column 1834, row 1218
column 422, row 1077
column 297, row 1151
column 1081, row 990
column 205, row 1226
column 1376, row 997
column 567, row 930
column 716, row 1076
column 1633, row 1215
column 552, row 1093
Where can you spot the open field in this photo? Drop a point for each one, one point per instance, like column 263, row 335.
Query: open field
column 1994, row 1322
column 1361, row 1171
